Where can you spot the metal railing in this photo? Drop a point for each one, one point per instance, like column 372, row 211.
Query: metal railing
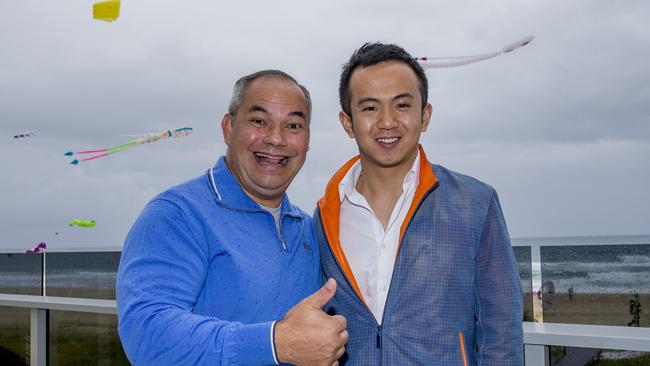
column 39, row 313
column 538, row 337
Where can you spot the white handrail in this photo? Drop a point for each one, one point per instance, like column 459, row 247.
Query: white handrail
column 59, row 303
column 543, row 334
column 552, row 334
column 588, row 336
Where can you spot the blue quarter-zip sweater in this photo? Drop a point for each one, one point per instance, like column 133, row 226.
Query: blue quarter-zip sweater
column 204, row 274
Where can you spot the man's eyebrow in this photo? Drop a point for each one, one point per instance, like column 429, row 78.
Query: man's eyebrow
column 298, row 114
column 256, row 108
column 367, row 99
column 404, row 95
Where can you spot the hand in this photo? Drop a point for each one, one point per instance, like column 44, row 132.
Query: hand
column 308, row 336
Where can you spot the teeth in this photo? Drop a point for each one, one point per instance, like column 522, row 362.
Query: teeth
column 279, row 160
column 387, row 140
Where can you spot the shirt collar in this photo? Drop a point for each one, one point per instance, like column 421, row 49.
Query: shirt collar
column 348, row 184
column 229, row 193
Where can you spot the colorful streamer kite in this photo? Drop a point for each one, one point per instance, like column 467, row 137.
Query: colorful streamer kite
column 25, row 134
column 107, row 10
column 140, row 140
column 454, row 61
column 83, row 223
column 40, row 248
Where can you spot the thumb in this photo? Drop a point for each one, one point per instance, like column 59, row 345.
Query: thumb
column 321, row 297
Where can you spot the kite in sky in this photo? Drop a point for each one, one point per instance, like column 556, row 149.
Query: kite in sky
column 83, row 223
column 40, row 248
column 107, row 10
column 25, row 134
column 140, row 140
column 453, row 61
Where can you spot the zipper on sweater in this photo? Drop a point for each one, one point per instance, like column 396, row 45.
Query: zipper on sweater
column 284, row 245
column 347, row 280
column 379, row 326
column 379, row 336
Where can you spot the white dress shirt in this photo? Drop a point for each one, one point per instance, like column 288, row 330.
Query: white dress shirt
column 369, row 249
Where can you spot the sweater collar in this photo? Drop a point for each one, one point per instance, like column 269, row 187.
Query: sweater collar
column 228, row 192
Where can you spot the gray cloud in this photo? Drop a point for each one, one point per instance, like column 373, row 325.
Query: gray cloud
column 560, row 127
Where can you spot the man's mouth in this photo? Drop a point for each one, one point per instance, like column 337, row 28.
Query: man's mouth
column 271, row 159
column 388, row 140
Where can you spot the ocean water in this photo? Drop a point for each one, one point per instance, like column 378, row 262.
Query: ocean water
column 612, row 265
column 598, row 265
column 75, row 274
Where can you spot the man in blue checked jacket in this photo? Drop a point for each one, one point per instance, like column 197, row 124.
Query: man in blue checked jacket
column 223, row 269
column 421, row 254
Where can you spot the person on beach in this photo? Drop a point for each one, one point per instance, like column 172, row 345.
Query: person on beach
column 421, row 254
column 635, row 311
column 223, row 269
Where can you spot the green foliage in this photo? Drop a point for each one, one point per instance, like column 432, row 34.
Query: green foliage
column 643, row 360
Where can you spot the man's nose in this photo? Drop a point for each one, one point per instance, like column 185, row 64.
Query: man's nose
column 388, row 119
column 275, row 136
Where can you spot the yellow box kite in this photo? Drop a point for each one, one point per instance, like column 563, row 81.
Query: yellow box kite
column 106, row 10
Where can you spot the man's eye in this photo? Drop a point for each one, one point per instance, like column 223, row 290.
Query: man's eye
column 369, row 108
column 257, row 121
column 294, row 126
column 403, row 106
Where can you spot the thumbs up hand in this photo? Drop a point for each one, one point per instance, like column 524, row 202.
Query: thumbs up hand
column 307, row 335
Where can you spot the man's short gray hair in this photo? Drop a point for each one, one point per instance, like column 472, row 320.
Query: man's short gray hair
column 241, row 85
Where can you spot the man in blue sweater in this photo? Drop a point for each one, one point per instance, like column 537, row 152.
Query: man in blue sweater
column 223, row 269
column 422, row 255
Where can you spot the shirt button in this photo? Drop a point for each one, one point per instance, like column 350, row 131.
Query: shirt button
column 384, row 245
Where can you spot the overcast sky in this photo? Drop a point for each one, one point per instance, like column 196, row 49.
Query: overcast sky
column 561, row 127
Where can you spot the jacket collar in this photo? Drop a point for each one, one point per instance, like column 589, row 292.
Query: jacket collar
column 330, row 209
column 228, row 192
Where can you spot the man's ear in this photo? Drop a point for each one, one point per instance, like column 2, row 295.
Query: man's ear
column 226, row 127
column 426, row 116
column 346, row 122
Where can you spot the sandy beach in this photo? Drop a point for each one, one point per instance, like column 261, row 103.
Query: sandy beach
column 599, row 309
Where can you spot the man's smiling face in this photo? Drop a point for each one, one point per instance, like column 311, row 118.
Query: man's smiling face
column 387, row 116
column 267, row 138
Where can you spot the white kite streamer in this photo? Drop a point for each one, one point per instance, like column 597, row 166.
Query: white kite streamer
column 453, row 61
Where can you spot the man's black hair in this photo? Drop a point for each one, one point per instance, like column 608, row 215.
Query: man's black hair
column 371, row 54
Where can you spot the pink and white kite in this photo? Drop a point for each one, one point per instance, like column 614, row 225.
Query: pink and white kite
column 40, row 248
column 453, row 61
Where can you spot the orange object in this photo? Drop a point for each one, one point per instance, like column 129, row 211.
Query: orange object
column 462, row 348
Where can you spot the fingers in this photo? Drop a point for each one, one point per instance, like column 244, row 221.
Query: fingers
column 340, row 321
column 345, row 337
column 340, row 352
column 321, row 297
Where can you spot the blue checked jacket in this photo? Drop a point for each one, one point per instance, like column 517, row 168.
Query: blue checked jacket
column 455, row 296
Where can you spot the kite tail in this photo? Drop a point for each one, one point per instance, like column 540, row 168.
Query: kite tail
column 90, row 151
column 110, row 151
column 459, row 62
